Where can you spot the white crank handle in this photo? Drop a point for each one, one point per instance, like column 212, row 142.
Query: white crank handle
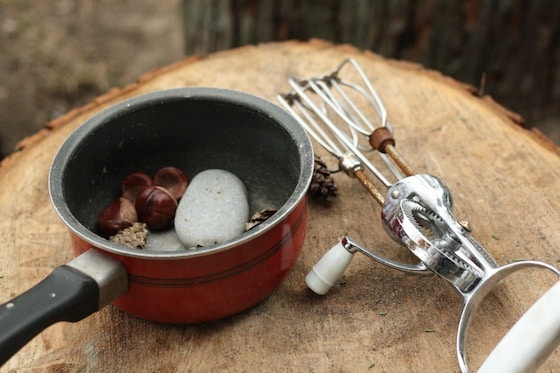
column 328, row 269
column 529, row 342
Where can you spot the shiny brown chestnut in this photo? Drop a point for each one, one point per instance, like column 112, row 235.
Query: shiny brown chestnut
column 118, row 215
column 156, row 207
column 133, row 184
column 172, row 179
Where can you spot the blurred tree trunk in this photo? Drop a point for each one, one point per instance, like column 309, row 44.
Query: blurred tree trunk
column 509, row 49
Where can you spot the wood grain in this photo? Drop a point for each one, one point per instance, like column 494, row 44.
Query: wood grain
column 504, row 179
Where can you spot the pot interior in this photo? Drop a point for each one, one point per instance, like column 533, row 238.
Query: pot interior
column 192, row 129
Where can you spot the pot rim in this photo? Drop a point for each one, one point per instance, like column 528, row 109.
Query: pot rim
column 258, row 104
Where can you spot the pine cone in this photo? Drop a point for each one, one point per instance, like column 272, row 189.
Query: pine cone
column 322, row 184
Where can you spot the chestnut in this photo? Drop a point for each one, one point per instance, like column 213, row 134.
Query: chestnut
column 118, row 215
column 156, row 207
column 172, row 179
column 133, row 184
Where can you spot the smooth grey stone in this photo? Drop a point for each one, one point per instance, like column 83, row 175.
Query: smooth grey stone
column 164, row 241
column 214, row 209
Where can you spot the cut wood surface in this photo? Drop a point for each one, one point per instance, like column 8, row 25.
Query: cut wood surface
column 504, row 180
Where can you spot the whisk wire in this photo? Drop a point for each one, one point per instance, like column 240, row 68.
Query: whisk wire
column 338, row 86
column 317, row 132
column 300, row 88
column 329, row 101
column 338, row 112
column 370, row 94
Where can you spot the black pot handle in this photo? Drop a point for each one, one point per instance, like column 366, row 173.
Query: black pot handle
column 70, row 293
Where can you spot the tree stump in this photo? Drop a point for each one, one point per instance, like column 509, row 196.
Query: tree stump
column 504, row 178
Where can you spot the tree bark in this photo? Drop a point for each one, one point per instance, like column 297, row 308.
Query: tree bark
column 508, row 49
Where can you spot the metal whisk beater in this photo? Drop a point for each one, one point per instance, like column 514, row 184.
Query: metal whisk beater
column 418, row 207
column 330, row 93
column 349, row 119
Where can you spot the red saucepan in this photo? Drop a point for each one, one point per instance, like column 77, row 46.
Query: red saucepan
column 193, row 129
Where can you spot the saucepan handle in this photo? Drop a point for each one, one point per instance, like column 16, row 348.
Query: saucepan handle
column 70, row 293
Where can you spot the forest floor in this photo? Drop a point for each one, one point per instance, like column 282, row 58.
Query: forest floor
column 59, row 54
